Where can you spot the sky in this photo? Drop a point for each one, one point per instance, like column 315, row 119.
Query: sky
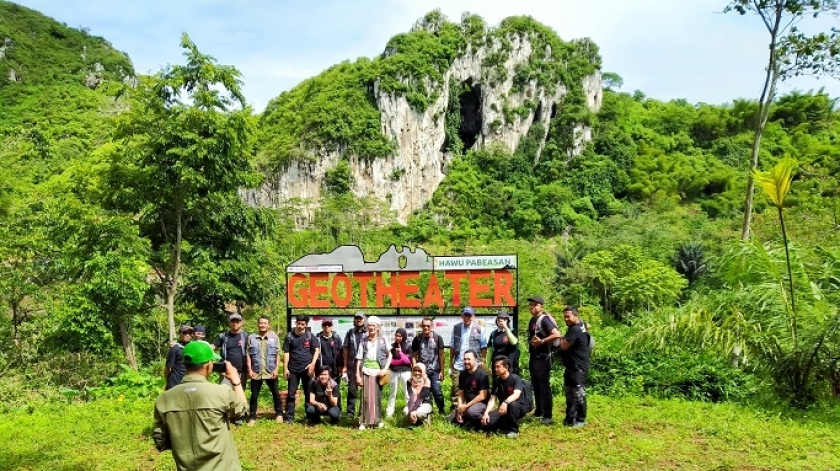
column 668, row 49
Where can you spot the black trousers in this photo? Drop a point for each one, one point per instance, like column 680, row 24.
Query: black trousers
column 437, row 392
column 313, row 414
column 574, row 382
column 352, row 389
column 335, row 374
column 540, row 369
column 256, row 386
column 296, row 377
column 509, row 422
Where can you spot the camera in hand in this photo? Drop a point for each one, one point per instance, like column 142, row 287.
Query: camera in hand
column 219, row 367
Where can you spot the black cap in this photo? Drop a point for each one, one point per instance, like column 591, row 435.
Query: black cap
column 536, row 299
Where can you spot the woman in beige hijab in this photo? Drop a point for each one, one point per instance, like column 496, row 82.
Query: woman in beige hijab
column 419, row 404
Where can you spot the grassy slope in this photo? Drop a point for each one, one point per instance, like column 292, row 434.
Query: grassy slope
column 630, row 433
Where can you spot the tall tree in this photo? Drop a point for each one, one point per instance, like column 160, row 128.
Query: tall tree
column 790, row 53
column 184, row 152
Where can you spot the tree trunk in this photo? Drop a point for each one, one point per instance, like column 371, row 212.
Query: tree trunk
column 170, row 308
column 128, row 345
column 768, row 93
column 15, row 319
column 172, row 282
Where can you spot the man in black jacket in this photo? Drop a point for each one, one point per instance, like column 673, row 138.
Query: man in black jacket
column 575, row 347
column 332, row 355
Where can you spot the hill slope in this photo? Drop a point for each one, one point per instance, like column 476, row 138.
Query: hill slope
column 53, row 83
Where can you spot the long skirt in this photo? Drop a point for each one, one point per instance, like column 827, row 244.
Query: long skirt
column 371, row 413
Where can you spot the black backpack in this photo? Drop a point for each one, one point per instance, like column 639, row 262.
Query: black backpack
column 527, row 395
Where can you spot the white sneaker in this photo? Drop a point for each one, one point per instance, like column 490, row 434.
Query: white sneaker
column 362, row 427
column 381, row 425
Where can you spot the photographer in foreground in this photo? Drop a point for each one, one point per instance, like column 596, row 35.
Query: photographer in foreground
column 193, row 418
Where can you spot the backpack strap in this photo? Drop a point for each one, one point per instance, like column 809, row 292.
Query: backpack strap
column 243, row 345
column 224, row 338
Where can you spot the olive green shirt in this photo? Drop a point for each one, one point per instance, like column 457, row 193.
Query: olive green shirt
column 193, row 419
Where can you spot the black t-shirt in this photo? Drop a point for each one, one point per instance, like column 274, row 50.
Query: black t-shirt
column 320, row 391
column 233, row 347
column 428, row 349
column 501, row 343
column 331, row 354
column 301, row 349
column 543, row 331
column 503, row 388
column 175, row 362
column 576, row 357
column 473, row 383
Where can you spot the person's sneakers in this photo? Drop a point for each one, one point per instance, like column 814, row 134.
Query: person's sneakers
column 252, row 422
column 289, row 421
column 279, row 419
column 362, row 427
column 546, row 421
column 381, row 425
column 579, row 425
column 512, row 434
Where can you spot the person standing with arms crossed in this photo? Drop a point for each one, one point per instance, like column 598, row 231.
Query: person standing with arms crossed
column 542, row 331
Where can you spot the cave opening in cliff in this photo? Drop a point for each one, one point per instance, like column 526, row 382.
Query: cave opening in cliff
column 538, row 113
column 470, row 101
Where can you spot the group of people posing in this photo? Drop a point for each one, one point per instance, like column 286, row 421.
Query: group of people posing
column 192, row 416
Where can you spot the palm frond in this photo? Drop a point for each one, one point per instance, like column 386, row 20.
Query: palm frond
column 776, row 182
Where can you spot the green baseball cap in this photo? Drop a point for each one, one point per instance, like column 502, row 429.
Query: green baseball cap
column 198, row 353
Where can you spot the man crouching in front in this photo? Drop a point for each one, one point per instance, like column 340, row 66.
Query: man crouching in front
column 193, row 418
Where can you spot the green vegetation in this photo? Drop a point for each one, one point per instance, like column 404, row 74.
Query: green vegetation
column 624, row 434
column 120, row 217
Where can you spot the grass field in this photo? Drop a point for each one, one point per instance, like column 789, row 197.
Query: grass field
column 626, row 433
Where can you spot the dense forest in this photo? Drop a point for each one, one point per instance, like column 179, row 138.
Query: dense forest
column 120, row 215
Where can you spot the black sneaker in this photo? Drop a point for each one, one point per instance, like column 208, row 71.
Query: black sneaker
column 546, row 421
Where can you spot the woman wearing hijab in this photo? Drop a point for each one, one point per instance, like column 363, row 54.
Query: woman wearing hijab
column 419, row 402
column 372, row 362
column 504, row 342
column 400, row 369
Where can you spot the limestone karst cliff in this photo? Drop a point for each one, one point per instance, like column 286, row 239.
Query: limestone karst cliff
column 481, row 87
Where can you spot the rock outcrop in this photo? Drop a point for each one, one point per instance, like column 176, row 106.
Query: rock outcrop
column 494, row 111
